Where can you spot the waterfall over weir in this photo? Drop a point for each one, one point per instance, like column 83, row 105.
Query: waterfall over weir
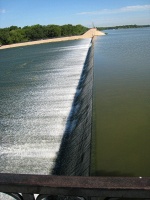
column 46, row 106
column 74, row 155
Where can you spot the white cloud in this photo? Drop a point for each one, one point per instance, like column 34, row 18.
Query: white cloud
column 2, row 11
column 135, row 8
column 119, row 10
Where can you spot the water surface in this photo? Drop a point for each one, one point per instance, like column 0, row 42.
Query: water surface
column 37, row 88
column 122, row 103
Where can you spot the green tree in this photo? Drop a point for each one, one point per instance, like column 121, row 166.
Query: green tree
column 53, row 31
column 34, row 32
column 16, row 36
column 13, row 28
column 66, row 30
column 80, row 29
column 4, row 35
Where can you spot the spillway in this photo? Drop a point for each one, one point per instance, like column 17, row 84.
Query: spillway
column 74, row 154
column 46, row 93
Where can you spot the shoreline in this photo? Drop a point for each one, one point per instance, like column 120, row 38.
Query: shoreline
column 89, row 34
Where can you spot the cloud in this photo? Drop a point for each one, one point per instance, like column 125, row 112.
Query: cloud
column 2, row 11
column 135, row 8
column 119, row 10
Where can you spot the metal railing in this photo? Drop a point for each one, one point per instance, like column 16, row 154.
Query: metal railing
column 23, row 187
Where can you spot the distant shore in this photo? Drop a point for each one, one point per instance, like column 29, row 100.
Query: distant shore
column 89, row 34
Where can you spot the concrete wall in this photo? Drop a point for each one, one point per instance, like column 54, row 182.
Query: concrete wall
column 74, row 155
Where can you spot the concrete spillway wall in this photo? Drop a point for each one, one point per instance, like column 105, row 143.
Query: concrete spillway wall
column 74, row 154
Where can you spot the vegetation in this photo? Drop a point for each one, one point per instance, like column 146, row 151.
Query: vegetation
column 16, row 34
column 122, row 27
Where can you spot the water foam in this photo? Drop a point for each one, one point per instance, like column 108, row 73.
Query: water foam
column 36, row 110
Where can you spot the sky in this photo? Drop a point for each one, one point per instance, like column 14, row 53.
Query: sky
column 99, row 12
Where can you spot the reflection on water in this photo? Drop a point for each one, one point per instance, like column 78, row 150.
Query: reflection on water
column 122, row 104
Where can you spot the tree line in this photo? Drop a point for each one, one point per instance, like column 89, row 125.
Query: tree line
column 14, row 34
column 122, row 27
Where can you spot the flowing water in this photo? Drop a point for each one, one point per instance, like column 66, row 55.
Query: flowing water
column 46, row 94
column 121, row 130
column 37, row 88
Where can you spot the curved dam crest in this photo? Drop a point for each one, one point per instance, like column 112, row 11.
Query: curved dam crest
column 74, row 154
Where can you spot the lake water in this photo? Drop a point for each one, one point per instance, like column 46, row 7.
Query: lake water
column 121, row 114
column 37, row 88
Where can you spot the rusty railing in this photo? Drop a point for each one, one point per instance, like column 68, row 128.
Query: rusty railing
column 23, row 187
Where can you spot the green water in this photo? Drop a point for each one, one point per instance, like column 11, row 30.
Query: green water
column 121, row 113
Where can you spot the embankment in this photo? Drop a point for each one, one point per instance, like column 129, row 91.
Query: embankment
column 89, row 34
column 74, row 154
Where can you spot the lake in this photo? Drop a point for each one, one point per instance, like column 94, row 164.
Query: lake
column 121, row 104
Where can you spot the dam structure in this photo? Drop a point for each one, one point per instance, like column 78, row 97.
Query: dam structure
column 46, row 108
column 74, row 155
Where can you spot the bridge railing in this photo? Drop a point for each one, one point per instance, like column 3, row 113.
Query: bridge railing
column 24, row 187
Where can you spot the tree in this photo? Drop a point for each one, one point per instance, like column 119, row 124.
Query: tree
column 16, row 36
column 34, row 32
column 4, row 35
column 13, row 28
column 80, row 29
column 53, row 31
column 68, row 30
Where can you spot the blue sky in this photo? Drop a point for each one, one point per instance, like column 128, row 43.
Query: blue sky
column 100, row 12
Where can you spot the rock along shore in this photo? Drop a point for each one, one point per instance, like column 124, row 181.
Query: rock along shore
column 89, row 34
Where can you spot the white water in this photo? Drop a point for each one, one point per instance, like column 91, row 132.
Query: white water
column 34, row 119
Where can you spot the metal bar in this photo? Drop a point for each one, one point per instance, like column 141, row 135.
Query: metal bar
column 129, row 187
